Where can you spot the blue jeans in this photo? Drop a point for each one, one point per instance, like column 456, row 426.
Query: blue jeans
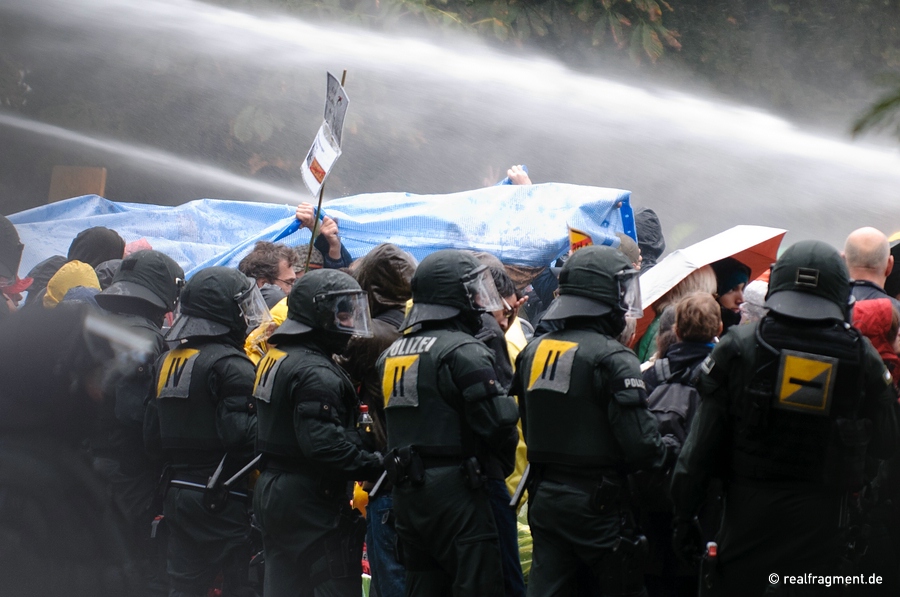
column 388, row 575
column 505, row 518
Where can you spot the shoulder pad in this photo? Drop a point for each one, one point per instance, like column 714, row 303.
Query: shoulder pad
column 625, row 381
column 714, row 369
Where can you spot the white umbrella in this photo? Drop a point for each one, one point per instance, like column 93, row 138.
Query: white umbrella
column 754, row 246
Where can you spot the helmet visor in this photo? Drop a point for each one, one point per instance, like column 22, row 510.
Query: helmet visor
column 253, row 307
column 630, row 293
column 482, row 293
column 346, row 312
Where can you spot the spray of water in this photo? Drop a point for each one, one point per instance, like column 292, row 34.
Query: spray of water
column 145, row 157
column 426, row 117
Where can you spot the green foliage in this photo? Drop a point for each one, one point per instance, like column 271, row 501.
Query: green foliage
column 636, row 25
column 884, row 114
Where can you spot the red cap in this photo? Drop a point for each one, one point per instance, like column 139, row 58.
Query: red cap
column 363, row 408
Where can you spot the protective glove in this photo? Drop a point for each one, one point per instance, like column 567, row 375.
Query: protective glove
column 687, row 540
column 673, row 449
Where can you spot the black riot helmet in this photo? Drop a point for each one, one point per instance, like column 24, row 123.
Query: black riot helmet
column 218, row 301
column 810, row 281
column 326, row 300
column 448, row 283
column 150, row 278
column 594, row 281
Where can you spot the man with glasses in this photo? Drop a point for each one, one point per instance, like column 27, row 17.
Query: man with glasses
column 273, row 267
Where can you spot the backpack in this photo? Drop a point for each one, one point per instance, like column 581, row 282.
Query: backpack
column 673, row 403
column 675, row 400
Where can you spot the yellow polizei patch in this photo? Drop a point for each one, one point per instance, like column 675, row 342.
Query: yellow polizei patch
column 806, row 381
column 552, row 365
column 176, row 368
column 399, row 383
column 265, row 373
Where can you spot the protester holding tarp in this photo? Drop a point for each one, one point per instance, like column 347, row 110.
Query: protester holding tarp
column 328, row 241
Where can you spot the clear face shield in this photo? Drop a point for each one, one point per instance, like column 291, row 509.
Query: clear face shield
column 346, row 312
column 176, row 311
column 482, row 293
column 253, row 307
column 630, row 293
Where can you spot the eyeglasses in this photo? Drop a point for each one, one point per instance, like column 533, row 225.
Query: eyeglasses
column 290, row 282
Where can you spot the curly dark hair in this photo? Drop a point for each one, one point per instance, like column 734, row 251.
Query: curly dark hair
column 262, row 263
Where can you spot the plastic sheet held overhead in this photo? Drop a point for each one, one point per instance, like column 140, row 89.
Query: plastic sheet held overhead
column 521, row 225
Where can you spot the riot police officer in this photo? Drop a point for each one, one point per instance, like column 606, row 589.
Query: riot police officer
column 144, row 289
column 203, row 418
column 446, row 415
column 307, row 410
column 586, row 424
column 791, row 406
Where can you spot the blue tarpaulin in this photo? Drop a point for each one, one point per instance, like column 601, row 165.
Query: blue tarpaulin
column 522, row 225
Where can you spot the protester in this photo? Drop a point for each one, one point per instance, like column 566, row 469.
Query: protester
column 385, row 274
column 74, row 274
column 879, row 321
column 495, row 326
column 446, row 415
column 650, row 237
column 518, row 175
column 693, row 332
column 869, row 260
column 106, row 271
column 92, row 246
column 791, row 407
column 257, row 344
column 585, row 421
column 202, row 417
column 307, row 415
column 273, row 266
column 96, row 245
column 328, row 241
column 11, row 286
column 315, row 258
column 731, row 278
column 40, row 274
column 753, row 308
column 630, row 249
column 700, row 280
column 673, row 400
